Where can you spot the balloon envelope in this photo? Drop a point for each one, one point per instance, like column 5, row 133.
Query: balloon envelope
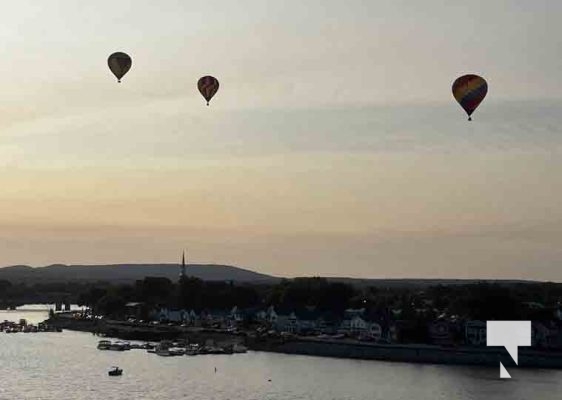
column 469, row 91
column 208, row 86
column 119, row 63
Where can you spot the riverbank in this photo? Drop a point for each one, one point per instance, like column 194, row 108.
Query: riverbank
column 412, row 353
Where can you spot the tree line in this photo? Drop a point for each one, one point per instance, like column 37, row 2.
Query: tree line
column 484, row 301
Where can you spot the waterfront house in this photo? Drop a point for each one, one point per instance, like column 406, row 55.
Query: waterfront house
column 441, row 332
column 306, row 321
column 374, row 331
column 236, row 314
column 173, row 315
column 287, row 323
column 267, row 316
column 362, row 327
column 357, row 325
column 475, row 333
column 354, row 321
column 215, row 318
column 134, row 310
column 310, row 321
column 192, row 317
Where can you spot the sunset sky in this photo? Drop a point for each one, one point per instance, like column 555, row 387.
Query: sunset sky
column 333, row 147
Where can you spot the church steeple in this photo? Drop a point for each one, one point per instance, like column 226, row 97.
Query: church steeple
column 182, row 270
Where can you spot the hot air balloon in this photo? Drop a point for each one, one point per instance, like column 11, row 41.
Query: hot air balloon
column 119, row 63
column 469, row 91
column 208, row 86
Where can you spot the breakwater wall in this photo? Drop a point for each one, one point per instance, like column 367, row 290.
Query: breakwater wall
column 412, row 353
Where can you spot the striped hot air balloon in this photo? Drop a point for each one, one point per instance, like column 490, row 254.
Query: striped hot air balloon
column 208, row 86
column 119, row 63
column 469, row 91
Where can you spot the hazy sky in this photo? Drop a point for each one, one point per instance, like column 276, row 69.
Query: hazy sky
column 333, row 147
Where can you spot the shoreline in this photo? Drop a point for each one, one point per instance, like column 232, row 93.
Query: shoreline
column 350, row 349
column 415, row 353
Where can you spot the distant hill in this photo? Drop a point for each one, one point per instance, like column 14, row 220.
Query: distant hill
column 127, row 273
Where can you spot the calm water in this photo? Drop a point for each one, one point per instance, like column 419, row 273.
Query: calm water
column 68, row 366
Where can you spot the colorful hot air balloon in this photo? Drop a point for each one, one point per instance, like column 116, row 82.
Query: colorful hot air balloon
column 208, row 86
column 469, row 91
column 119, row 63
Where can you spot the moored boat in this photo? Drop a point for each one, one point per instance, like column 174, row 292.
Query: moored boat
column 116, row 371
column 163, row 349
column 104, row 345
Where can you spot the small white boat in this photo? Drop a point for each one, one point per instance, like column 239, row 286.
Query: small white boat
column 104, row 345
column 176, row 351
column 192, row 350
column 163, row 349
column 119, row 346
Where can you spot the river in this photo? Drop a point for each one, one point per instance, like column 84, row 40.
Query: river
column 67, row 365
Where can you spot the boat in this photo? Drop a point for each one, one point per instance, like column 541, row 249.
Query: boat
column 116, row 371
column 116, row 347
column 213, row 350
column 119, row 346
column 104, row 345
column 176, row 351
column 163, row 349
column 192, row 350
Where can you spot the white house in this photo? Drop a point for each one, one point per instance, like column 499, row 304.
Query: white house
column 357, row 326
column 287, row 323
column 267, row 316
column 375, row 331
column 166, row 314
column 235, row 315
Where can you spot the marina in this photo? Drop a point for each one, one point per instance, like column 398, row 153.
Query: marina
column 167, row 348
column 23, row 327
column 49, row 367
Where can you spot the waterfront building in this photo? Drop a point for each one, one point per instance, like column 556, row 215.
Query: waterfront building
column 192, row 317
column 357, row 325
column 441, row 333
column 287, row 323
column 269, row 315
column 170, row 315
column 134, row 310
column 475, row 333
column 375, row 331
column 365, row 328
